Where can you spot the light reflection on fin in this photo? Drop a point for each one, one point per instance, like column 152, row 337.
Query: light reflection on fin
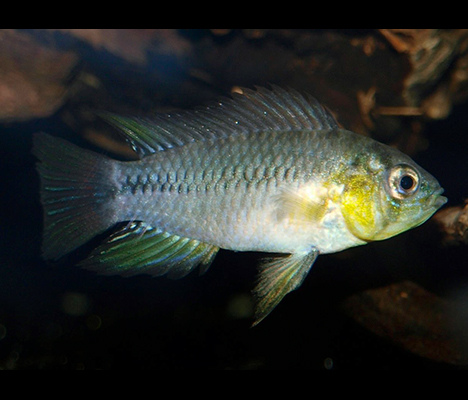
column 139, row 248
column 279, row 276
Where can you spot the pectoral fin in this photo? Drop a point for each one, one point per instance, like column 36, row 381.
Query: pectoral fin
column 141, row 249
column 279, row 276
column 307, row 204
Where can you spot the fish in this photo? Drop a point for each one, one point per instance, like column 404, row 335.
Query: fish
column 268, row 170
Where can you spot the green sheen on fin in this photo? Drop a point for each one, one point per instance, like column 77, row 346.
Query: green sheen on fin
column 253, row 111
column 278, row 277
column 140, row 249
column 148, row 135
column 77, row 194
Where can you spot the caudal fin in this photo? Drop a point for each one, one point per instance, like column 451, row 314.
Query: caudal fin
column 76, row 194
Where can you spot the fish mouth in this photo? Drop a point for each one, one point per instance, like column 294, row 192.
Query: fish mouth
column 436, row 200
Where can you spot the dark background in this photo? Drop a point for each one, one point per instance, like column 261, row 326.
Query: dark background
column 397, row 304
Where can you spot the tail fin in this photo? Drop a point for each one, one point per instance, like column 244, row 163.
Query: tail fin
column 75, row 192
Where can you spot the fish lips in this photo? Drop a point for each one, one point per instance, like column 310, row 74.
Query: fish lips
column 436, row 200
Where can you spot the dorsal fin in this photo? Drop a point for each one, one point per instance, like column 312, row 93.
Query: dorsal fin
column 252, row 111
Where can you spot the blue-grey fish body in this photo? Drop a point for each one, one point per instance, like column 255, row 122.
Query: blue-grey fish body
column 267, row 171
column 188, row 190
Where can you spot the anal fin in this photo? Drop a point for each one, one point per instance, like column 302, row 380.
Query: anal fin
column 141, row 249
column 279, row 276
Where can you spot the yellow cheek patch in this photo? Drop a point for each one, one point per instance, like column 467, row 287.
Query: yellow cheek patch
column 358, row 206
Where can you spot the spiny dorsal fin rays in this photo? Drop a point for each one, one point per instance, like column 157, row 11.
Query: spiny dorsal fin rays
column 140, row 249
column 279, row 276
column 145, row 136
column 253, row 111
column 292, row 110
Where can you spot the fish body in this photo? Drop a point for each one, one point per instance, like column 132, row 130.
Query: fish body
column 268, row 171
column 189, row 189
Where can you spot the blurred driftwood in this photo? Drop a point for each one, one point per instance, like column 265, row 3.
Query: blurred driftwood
column 380, row 72
column 33, row 78
column 453, row 223
column 415, row 319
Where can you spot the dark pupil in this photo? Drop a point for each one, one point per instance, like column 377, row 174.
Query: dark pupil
column 406, row 182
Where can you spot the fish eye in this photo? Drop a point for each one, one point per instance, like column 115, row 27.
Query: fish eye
column 406, row 182
column 403, row 181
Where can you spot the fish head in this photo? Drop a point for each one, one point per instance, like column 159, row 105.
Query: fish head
column 387, row 193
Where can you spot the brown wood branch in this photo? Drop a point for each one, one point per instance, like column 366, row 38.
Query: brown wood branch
column 453, row 223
